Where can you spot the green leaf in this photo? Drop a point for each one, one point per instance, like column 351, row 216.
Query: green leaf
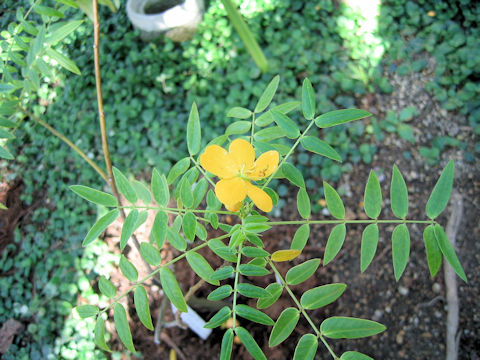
column 3, row 207
column 373, row 196
column 301, row 237
column 201, row 267
column 257, row 227
column 178, row 169
column 308, row 100
column 121, row 324
column 306, row 348
column 150, row 254
column 100, row 334
column 269, row 134
column 338, row 117
column 302, row 272
column 253, row 270
column 7, row 123
column 334, row 243
column 142, row 307
column 124, row 186
column 160, row 190
column 239, row 113
column 288, row 126
column 284, row 326
column 250, row 344
column 321, row 296
column 400, row 249
column 449, row 252
column 354, row 355
column 369, row 246
column 100, row 226
column 252, row 291
column 438, row 200
column 303, row 204
column 142, row 217
column 194, row 131
column 63, row 31
column 189, row 225
column 159, row 228
column 47, row 11
column 320, row 147
column 86, row 311
column 267, row 118
column 219, row 318
column 128, row 269
column 334, row 202
column 63, row 61
column 238, row 127
column 177, row 241
column 186, row 193
column 293, row 175
column 142, row 192
column 227, row 345
column 172, row 289
column 252, row 314
column 221, row 250
column 222, row 273
column 274, row 291
column 94, row 196
column 128, row 228
column 5, row 154
column 251, row 251
column 199, row 192
column 220, row 293
column 267, row 95
column 398, row 194
column 106, row 287
column 5, row 88
column 338, row 327
column 434, row 254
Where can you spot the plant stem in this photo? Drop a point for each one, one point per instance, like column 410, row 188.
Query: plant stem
column 253, row 128
column 197, row 165
column 66, row 141
column 302, row 310
column 394, row 221
column 235, row 285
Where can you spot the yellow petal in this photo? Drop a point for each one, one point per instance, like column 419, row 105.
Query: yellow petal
column 259, row 197
column 265, row 165
column 231, row 191
column 234, row 207
column 242, row 152
column 216, row 160
column 285, row 255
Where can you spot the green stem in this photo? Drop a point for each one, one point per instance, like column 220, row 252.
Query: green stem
column 176, row 210
column 394, row 221
column 235, row 285
column 253, row 128
column 302, row 135
column 301, row 309
column 204, row 173
column 157, row 270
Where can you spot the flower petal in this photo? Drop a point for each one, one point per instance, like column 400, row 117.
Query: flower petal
column 231, row 191
column 259, row 197
column 242, row 152
column 265, row 165
column 234, row 207
column 216, row 160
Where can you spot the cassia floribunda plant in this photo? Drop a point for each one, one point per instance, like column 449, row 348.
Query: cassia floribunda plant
column 255, row 151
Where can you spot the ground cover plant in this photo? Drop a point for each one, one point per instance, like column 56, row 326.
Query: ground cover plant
column 130, row 101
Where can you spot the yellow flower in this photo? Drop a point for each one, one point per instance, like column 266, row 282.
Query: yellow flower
column 236, row 168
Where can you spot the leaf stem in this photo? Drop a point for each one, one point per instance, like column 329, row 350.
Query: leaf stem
column 393, row 221
column 235, row 285
column 253, row 128
column 204, row 173
column 301, row 309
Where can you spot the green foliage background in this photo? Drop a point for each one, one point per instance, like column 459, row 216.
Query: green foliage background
column 148, row 90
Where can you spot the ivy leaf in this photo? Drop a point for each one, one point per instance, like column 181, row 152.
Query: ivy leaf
column 284, row 326
column 400, row 249
column 334, row 202
column 441, row 192
column 121, row 324
column 194, row 131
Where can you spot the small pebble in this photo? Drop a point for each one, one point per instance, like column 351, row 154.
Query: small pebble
column 403, row 290
column 437, row 288
column 400, row 336
column 377, row 315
